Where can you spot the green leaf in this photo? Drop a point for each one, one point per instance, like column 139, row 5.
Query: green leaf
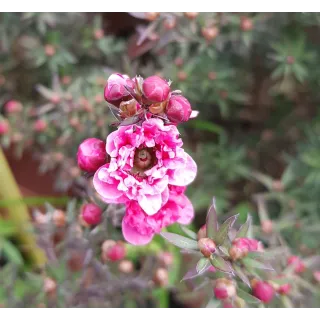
column 11, row 252
column 243, row 231
column 241, row 275
column 201, row 267
column 213, row 303
column 189, row 232
column 212, row 220
column 222, row 265
column 7, row 228
column 256, row 264
column 223, row 232
column 247, row 297
column 202, row 264
column 180, row 241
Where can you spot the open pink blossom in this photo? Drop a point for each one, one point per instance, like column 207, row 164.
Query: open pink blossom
column 144, row 160
column 139, row 228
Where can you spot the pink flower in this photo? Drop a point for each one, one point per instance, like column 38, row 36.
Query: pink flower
column 299, row 266
column 13, row 106
column 4, row 126
column 91, row 154
column 144, row 161
column 178, row 109
column 155, row 89
column 91, row 213
column 115, row 90
column 40, row 125
column 263, row 291
column 139, row 228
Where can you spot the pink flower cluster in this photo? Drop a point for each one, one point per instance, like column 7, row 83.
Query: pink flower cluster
column 142, row 164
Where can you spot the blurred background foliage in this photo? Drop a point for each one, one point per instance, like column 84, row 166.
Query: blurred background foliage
column 254, row 77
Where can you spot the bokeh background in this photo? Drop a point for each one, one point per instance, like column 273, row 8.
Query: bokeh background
column 254, row 77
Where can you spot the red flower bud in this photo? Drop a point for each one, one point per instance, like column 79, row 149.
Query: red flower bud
column 91, row 213
column 178, row 109
column 296, row 261
column 263, row 291
column 115, row 91
column 284, row 289
column 155, row 89
column 91, row 154
column 241, row 246
column 206, row 246
column 40, row 125
column 224, row 289
column 4, row 127
column 113, row 252
column 13, row 106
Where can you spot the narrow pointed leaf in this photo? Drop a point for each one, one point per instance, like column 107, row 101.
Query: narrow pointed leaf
column 197, row 271
column 223, row 232
column 221, row 264
column 243, row 231
column 212, row 220
column 115, row 111
column 203, row 264
column 224, row 250
column 189, row 232
column 257, row 264
column 241, row 275
column 180, row 241
column 247, row 297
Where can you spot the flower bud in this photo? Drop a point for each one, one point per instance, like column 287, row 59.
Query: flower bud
column 207, row 246
column 178, row 109
column 161, row 277
column 59, row 218
column 66, row 80
column 155, row 89
column 126, row 266
column 49, row 50
column 49, row 286
column 158, row 108
column 182, row 75
column 246, row 24
column 262, row 290
column 98, row 34
column 170, row 23
column 91, row 213
column 296, row 261
column 191, row 15
column 284, row 289
column 316, row 276
column 224, row 289
column 4, row 127
column 40, row 125
column 128, row 108
column 178, row 62
column 277, row 185
column 202, row 233
column 115, row 90
column 210, row 33
column 151, row 16
column 241, row 246
column 91, row 154
column 166, row 258
column 212, row 75
column 13, row 106
column 113, row 252
column 267, row 226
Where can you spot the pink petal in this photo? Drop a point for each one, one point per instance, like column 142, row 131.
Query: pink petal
column 106, row 187
column 187, row 213
column 194, row 114
column 132, row 236
column 150, row 204
column 185, row 175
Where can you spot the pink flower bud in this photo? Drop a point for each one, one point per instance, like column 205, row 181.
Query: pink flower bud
column 91, row 213
column 206, row 246
column 267, row 226
column 166, row 258
column 202, row 233
column 161, row 277
column 316, row 276
column 91, row 154
column 155, row 89
column 284, row 289
column 263, row 290
column 4, row 127
column 178, row 109
column 115, row 90
column 224, row 288
column 40, row 125
column 114, row 252
column 296, row 261
column 13, row 106
column 126, row 266
column 98, row 34
column 241, row 246
column 49, row 50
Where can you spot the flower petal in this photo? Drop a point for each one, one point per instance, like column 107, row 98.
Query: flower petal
column 187, row 212
column 150, row 204
column 185, row 175
column 133, row 236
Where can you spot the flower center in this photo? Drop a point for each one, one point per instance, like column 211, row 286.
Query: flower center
column 144, row 159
